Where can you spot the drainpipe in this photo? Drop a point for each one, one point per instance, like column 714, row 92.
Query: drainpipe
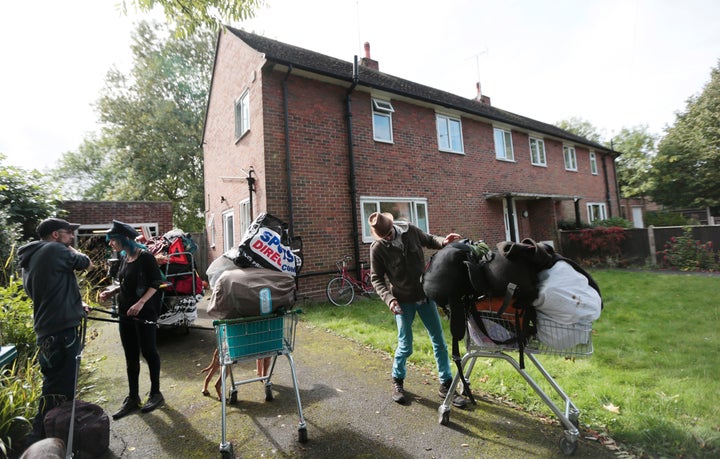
column 288, row 165
column 607, row 187
column 351, row 158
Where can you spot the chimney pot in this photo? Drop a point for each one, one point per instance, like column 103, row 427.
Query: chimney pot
column 367, row 50
column 367, row 61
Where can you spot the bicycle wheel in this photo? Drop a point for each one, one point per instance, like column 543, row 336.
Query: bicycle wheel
column 340, row 291
column 368, row 288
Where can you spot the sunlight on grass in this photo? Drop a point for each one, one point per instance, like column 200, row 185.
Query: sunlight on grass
column 656, row 360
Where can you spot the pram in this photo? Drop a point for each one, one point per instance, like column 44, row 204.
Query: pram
column 251, row 338
column 482, row 341
column 182, row 291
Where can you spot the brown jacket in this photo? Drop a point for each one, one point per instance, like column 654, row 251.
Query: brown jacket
column 396, row 266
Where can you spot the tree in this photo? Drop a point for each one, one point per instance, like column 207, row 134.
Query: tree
column 581, row 127
column 685, row 170
column 637, row 148
column 189, row 16
column 152, row 119
column 26, row 198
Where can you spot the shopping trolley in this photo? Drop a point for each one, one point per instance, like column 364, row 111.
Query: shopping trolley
column 489, row 335
column 251, row 338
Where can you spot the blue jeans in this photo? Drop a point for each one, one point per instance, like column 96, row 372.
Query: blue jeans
column 431, row 319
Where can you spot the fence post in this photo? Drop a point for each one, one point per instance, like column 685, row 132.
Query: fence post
column 651, row 243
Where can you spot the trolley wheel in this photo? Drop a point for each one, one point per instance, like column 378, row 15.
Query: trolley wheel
column 268, row 392
column 568, row 447
column 302, row 435
column 233, row 397
column 226, row 451
column 340, row 292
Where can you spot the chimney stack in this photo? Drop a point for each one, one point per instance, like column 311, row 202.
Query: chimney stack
column 367, row 61
column 480, row 97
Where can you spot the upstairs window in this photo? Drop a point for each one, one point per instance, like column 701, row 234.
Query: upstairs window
column 449, row 133
column 537, row 152
column 593, row 163
column 242, row 115
column 503, row 145
column 570, row 158
column 382, row 120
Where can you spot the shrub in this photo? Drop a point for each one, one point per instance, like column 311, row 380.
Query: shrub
column 20, row 389
column 16, row 319
column 601, row 243
column 662, row 218
column 688, row 254
column 615, row 221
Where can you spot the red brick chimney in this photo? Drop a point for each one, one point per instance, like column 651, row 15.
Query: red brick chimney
column 480, row 97
column 367, row 61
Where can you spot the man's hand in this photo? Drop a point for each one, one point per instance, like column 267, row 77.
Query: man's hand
column 452, row 237
column 395, row 307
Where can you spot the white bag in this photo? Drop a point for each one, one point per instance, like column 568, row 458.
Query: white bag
column 566, row 306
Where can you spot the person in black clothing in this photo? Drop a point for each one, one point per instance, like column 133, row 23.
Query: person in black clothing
column 48, row 273
column 138, row 309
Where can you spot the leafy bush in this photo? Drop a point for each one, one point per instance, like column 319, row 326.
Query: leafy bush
column 688, row 254
column 16, row 319
column 20, row 389
column 615, row 221
column 568, row 225
column 603, row 244
column 663, row 218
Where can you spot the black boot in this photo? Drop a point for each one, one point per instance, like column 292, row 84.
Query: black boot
column 129, row 405
column 398, row 394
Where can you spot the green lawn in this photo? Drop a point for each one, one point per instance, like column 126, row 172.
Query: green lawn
column 652, row 384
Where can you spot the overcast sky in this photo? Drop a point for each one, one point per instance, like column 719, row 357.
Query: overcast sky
column 614, row 63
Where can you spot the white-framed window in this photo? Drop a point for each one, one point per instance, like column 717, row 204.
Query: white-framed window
column 503, row 145
column 382, row 120
column 228, row 219
column 449, row 133
column 593, row 163
column 570, row 158
column 245, row 217
column 211, row 230
column 537, row 152
column 412, row 210
column 596, row 211
column 242, row 114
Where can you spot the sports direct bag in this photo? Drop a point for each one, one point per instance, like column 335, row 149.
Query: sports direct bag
column 91, row 431
column 266, row 245
column 566, row 306
column 237, row 292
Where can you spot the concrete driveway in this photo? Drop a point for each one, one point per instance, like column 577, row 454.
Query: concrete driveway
column 345, row 395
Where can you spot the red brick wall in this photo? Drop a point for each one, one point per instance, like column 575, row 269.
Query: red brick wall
column 455, row 185
column 104, row 212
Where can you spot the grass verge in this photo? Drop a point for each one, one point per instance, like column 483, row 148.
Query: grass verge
column 652, row 382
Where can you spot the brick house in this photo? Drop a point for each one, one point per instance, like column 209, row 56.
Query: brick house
column 322, row 143
column 98, row 215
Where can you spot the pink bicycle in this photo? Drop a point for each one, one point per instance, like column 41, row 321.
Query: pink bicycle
column 341, row 289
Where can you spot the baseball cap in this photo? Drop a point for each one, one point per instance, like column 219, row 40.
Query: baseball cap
column 49, row 225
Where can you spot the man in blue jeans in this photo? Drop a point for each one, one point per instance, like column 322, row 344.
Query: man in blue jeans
column 397, row 263
column 48, row 272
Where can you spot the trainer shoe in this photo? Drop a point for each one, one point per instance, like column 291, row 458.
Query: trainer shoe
column 129, row 405
column 153, row 402
column 457, row 400
column 398, row 394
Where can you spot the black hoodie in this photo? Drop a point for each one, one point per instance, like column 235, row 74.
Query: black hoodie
column 49, row 279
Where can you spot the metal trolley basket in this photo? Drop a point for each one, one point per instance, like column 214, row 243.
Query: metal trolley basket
column 577, row 342
column 251, row 338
